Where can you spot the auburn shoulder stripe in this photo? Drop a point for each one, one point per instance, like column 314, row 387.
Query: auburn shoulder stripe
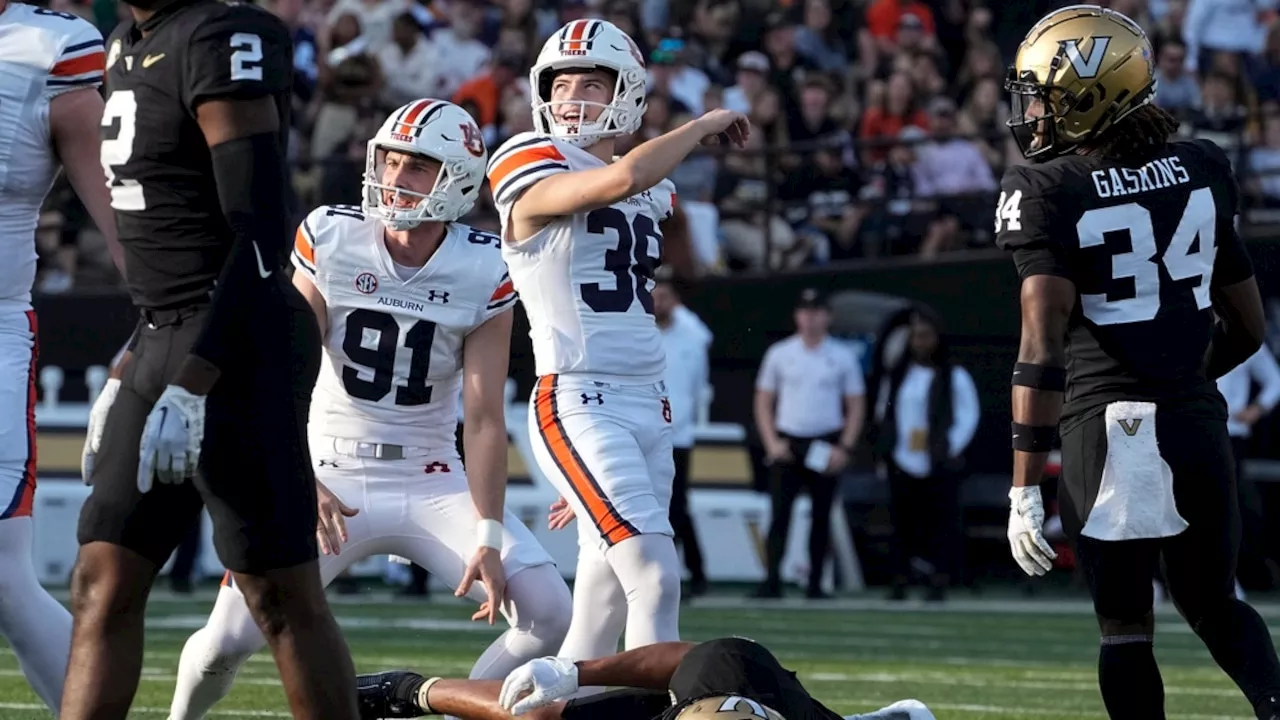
column 82, row 63
column 522, row 161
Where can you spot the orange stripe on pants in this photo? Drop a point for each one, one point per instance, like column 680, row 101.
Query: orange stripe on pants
column 613, row 528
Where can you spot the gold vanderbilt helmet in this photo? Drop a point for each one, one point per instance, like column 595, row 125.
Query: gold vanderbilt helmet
column 1078, row 71
column 727, row 707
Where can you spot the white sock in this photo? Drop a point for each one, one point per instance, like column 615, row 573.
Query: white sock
column 36, row 626
column 539, row 608
column 599, row 612
column 213, row 655
column 648, row 568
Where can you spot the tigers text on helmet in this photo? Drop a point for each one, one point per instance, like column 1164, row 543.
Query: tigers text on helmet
column 589, row 45
column 727, row 707
column 1078, row 71
column 436, row 130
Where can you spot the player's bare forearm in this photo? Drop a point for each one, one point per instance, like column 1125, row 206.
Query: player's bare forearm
column 764, row 416
column 649, row 667
column 854, row 409
column 485, row 354
column 249, row 170
column 1047, row 302
column 485, row 442
column 1240, row 327
column 74, row 118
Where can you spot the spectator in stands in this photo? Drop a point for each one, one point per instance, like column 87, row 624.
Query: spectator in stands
column 788, row 68
column 458, row 52
column 884, row 18
column 410, row 60
column 755, row 237
column 671, row 75
column 1264, row 68
column 1244, row 410
column 1231, row 26
column 1264, row 165
column 896, row 219
column 981, row 62
column 375, row 17
column 887, row 121
column 712, row 28
column 1221, row 116
column 485, row 92
column 818, row 39
column 753, row 95
column 927, row 413
column 982, row 120
column 819, row 199
column 811, row 118
column 351, row 82
column 1179, row 92
column 809, row 412
column 952, row 171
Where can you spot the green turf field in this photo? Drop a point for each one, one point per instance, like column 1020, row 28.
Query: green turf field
column 968, row 659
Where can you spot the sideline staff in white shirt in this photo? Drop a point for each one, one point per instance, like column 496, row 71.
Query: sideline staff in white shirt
column 1242, row 413
column 686, row 340
column 818, row 389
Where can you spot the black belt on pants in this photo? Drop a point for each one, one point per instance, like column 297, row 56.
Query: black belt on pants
column 157, row 319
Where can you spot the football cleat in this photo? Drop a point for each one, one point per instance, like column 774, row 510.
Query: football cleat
column 391, row 694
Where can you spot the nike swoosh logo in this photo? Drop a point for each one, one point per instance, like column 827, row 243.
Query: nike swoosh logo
column 263, row 272
column 150, row 60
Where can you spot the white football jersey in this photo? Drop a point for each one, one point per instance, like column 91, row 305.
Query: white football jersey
column 392, row 367
column 43, row 53
column 584, row 279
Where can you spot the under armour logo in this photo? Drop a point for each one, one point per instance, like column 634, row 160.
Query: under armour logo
column 328, row 463
column 436, row 467
column 598, row 398
column 438, row 296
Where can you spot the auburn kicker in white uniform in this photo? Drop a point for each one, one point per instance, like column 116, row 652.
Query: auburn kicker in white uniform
column 581, row 238
column 412, row 306
column 51, row 64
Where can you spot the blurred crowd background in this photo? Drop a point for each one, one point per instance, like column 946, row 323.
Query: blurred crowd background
column 879, row 124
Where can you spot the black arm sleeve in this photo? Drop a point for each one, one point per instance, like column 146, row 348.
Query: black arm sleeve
column 243, row 53
column 626, row 704
column 1231, row 262
column 250, row 176
column 1023, row 227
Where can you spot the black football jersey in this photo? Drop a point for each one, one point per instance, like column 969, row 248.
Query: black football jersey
column 1145, row 246
column 171, row 224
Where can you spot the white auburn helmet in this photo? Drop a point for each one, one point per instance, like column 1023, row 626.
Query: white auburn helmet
column 434, row 129
column 587, row 45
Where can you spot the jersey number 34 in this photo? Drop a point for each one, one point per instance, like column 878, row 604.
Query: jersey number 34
column 1183, row 258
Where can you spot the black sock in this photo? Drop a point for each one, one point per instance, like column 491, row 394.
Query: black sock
column 1239, row 641
column 1129, row 679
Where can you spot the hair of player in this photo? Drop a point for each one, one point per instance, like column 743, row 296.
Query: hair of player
column 1135, row 136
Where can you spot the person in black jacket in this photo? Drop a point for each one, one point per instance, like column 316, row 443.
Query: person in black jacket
column 927, row 412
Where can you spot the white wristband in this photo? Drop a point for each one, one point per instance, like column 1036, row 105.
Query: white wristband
column 489, row 534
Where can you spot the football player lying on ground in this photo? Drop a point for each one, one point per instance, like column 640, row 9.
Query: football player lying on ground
column 724, row 679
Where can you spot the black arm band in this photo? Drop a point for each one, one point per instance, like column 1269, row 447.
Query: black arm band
column 1033, row 438
column 1040, row 377
column 250, row 174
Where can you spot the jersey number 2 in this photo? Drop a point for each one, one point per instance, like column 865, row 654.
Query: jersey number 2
column 120, row 122
column 1139, row 264
column 382, row 359
column 633, row 243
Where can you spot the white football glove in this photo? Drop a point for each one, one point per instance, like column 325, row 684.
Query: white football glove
column 1026, row 531
column 170, row 449
column 546, row 680
column 97, row 421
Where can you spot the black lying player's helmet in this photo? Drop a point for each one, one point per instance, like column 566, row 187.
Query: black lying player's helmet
column 1078, row 71
column 727, row 707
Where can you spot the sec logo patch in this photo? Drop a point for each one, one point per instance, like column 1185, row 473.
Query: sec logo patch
column 366, row 283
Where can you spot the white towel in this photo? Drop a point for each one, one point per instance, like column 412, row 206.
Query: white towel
column 1135, row 497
